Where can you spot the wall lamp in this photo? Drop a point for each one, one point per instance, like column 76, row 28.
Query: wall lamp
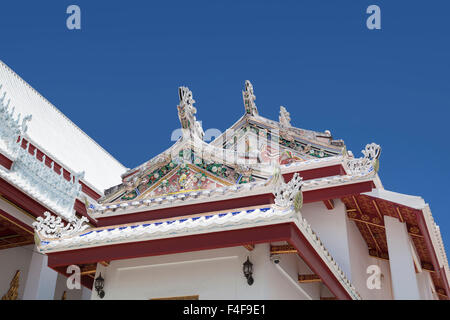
column 248, row 271
column 99, row 284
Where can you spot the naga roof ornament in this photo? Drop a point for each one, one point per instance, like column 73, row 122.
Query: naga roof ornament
column 249, row 99
column 285, row 117
column 367, row 164
column 53, row 227
column 186, row 112
column 289, row 194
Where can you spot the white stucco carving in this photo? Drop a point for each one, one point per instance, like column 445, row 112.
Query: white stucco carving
column 53, row 227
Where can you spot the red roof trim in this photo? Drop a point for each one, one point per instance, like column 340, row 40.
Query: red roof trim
column 16, row 221
column 335, row 170
column 80, row 208
column 190, row 209
column 91, row 193
column 230, row 204
column 316, row 264
column 5, row 161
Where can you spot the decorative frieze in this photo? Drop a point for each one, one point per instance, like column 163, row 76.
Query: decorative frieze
column 59, row 192
column 52, row 227
column 11, row 127
column 31, row 174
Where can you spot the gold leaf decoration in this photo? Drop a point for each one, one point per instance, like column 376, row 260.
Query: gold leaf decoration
column 13, row 291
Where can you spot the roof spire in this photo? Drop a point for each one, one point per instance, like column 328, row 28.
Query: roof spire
column 285, row 117
column 249, row 99
column 186, row 112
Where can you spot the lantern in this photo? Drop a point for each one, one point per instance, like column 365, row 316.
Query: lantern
column 248, row 271
column 99, row 284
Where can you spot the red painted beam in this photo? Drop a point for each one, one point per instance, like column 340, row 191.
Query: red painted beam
column 215, row 240
column 434, row 260
column 445, row 281
column 229, row 204
column 337, row 192
column 5, row 161
column 316, row 264
column 91, row 193
column 130, row 174
column 426, row 236
column 16, row 221
column 335, row 170
column 329, row 204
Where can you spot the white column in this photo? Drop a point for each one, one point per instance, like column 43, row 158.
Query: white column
column 403, row 274
column 41, row 280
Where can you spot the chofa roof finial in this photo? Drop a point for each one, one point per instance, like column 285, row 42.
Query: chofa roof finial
column 249, row 99
column 186, row 113
column 285, row 117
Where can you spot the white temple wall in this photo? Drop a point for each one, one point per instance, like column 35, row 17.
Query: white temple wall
column 360, row 261
column 11, row 260
column 331, row 227
column 211, row 274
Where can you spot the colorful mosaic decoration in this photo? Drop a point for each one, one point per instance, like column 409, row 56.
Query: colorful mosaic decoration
column 184, row 179
column 148, row 180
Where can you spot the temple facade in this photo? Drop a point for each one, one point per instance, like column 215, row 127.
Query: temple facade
column 264, row 211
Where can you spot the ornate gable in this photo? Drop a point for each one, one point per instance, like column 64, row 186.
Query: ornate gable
column 246, row 152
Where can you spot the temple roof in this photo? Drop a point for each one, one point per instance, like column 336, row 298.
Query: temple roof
column 57, row 136
column 250, row 159
column 178, row 227
column 249, row 151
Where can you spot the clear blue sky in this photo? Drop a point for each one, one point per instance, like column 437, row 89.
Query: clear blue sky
column 117, row 77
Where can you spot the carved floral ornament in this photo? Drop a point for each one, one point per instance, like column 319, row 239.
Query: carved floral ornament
column 53, row 227
column 285, row 117
column 289, row 194
column 368, row 163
